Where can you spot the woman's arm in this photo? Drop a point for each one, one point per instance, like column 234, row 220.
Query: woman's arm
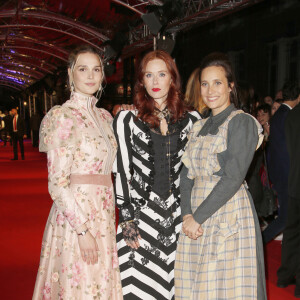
column 122, row 170
column 59, row 169
column 186, row 186
column 58, row 138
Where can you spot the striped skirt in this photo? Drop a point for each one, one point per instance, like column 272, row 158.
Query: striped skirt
column 148, row 272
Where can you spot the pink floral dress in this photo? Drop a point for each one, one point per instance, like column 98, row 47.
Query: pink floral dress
column 80, row 148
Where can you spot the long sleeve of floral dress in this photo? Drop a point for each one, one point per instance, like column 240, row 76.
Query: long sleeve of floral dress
column 58, row 139
column 59, row 170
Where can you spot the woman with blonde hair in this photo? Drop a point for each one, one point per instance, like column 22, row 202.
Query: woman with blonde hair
column 192, row 95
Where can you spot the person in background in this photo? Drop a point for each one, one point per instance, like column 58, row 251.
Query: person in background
column 289, row 271
column 245, row 94
column 219, row 253
column 278, row 159
column 17, row 133
column 35, row 122
column 151, row 141
column 263, row 116
column 268, row 100
column 276, row 104
column 2, row 126
column 192, row 95
column 79, row 254
column 278, row 95
column 7, row 128
column 116, row 109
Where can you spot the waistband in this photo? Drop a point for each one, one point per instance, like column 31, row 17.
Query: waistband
column 97, row 179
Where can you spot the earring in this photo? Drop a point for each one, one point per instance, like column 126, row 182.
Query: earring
column 99, row 92
column 72, row 87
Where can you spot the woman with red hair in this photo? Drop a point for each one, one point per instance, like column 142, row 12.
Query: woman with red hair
column 151, row 141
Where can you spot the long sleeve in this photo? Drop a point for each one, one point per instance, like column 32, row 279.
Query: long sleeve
column 123, row 165
column 58, row 137
column 241, row 144
column 59, row 169
column 186, row 186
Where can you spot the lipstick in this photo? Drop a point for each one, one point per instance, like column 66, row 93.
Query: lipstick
column 156, row 90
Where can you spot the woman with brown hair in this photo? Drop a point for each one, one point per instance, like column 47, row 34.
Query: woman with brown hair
column 219, row 253
column 79, row 254
column 151, row 142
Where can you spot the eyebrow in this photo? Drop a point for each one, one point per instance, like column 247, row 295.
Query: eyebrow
column 212, row 80
column 86, row 66
column 156, row 72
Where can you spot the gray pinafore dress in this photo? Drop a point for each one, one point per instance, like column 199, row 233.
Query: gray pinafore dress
column 222, row 264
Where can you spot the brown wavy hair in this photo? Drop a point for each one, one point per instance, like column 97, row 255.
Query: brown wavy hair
column 146, row 104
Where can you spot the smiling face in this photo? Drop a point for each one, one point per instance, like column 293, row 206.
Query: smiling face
column 157, row 80
column 215, row 90
column 263, row 117
column 86, row 74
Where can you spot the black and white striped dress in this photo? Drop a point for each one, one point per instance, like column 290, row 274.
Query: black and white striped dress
column 140, row 170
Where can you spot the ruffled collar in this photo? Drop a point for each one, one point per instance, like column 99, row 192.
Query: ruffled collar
column 82, row 100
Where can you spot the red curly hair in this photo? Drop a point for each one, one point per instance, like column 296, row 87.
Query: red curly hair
column 146, row 104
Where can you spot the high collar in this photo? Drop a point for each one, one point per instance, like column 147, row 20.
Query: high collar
column 223, row 114
column 82, row 100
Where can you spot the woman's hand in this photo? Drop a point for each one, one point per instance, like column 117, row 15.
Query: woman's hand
column 88, row 248
column 191, row 228
column 267, row 128
column 131, row 235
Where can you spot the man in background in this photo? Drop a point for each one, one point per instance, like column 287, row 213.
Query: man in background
column 17, row 133
column 278, row 159
column 290, row 250
column 35, row 122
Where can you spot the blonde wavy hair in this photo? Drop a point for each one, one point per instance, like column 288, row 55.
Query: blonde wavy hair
column 192, row 96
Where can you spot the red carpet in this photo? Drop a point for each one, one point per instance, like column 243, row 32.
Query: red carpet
column 25, row 205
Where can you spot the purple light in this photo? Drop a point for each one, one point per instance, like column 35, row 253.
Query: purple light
column 16, row 80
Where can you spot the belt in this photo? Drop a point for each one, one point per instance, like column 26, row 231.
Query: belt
column 97, row 179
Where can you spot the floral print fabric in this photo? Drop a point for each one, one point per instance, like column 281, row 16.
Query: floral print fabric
column 78, row 140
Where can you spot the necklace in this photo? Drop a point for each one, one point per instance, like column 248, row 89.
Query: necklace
column 162, row 114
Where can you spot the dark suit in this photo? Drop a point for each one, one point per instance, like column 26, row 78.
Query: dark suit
column 17, row 136
column 278, row 168
column 290, row 256
column 35, row 122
